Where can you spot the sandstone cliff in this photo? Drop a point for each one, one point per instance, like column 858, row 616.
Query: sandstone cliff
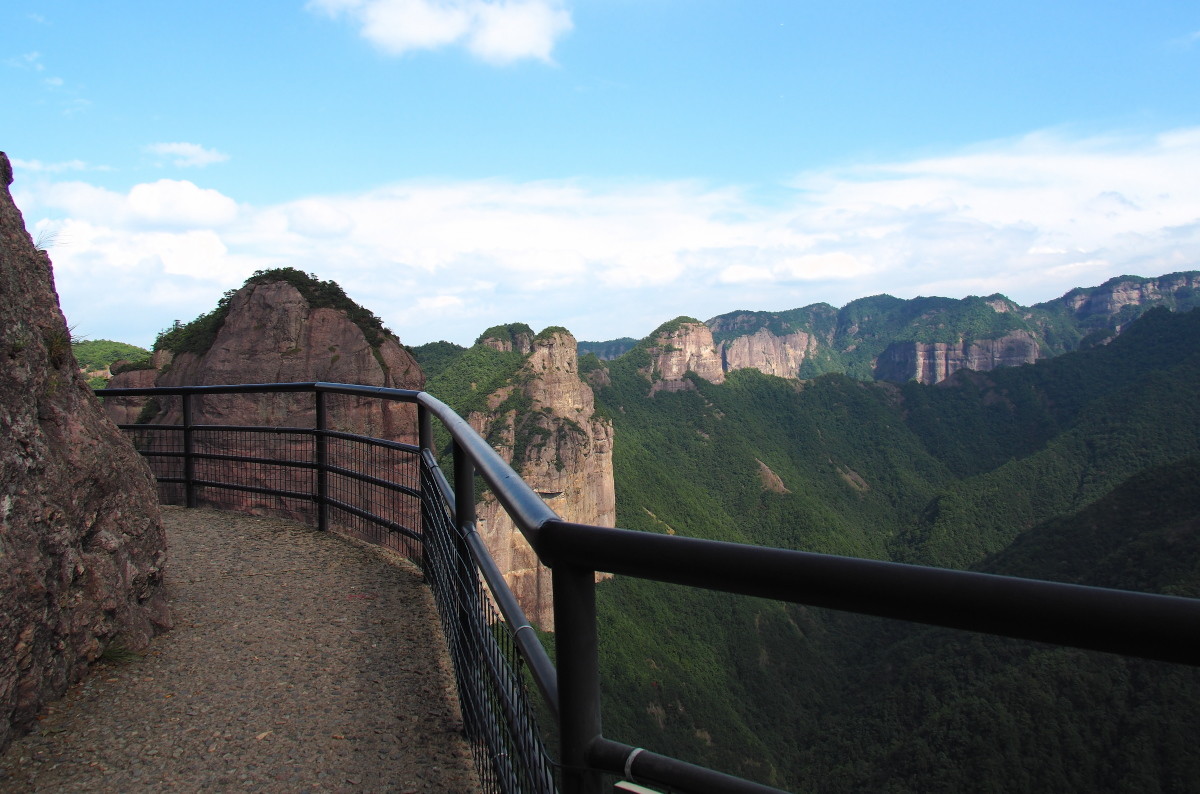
column 1113, row 296
column 271, row 333
column 928, row 339
column 933, row 362
column 544, row 424
column 83, row 552
column 764, row 351
column 678, row 347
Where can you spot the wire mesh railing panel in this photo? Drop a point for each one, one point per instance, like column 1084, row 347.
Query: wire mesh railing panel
column 379, row 485
column 494, row 699
column 261, row 472
column 162, row 449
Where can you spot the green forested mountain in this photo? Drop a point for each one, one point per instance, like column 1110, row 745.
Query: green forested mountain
column 855, row 340
column 1082, row 468
column 98, row 354
column 999, row 470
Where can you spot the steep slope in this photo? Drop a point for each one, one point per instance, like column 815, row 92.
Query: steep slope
column 284, row 326
column 525, row 395
column 939, row 474
column 946, row 709
column 1104, row 415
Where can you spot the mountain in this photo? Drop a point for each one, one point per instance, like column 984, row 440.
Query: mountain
column 97, row 358
column 960, row 474
column 281, row 326
column 523, row 392
column 929, row 339
column 285, row 326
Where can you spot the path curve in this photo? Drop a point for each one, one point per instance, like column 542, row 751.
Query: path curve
column 299, row 661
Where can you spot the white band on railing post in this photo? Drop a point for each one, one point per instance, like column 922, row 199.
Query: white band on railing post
column 629, row 763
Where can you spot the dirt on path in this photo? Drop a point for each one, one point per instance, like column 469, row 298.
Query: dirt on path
column 299, row 661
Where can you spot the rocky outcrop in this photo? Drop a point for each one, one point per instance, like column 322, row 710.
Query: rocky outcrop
column 1110, row 298
column 516, row 337
column 935, row 361
column 272, row 334
column 678, row 347
column 83, row 552
column 128, row 410
column 544, row 424
column 764, row 351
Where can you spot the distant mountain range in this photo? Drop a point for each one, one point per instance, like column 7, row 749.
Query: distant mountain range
column 928, row 339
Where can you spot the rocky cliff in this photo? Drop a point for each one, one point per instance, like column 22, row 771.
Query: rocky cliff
column 764, row 351
column 272, row 334
column 930, row 338
column 269, row 332
column 543, row 423
column 83, row 552
column 678, row 347
column 933, row 362
column 1111, row 299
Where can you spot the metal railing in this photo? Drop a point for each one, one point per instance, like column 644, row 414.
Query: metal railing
column 399, row 493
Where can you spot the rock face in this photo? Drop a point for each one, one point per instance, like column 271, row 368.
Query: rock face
column 126, row 410
column 1110, row 298
column 679, row 347
column 271, row 334
column 871, row 338
column 764, row 351
column 936, row 361
column 82, row 552
column 560, row 448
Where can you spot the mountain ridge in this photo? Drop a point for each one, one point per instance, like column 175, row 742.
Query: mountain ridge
column 927, row 339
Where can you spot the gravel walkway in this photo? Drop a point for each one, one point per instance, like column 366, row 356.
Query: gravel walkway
column 299, row 661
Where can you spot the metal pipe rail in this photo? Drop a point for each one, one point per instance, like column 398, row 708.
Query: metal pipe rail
column 1135, row 624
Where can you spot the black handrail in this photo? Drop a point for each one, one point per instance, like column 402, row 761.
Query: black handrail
column 1135, row 624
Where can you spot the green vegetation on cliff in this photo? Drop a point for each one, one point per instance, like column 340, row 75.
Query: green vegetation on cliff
column 1012, row 470
column 607, row 350
column 435, row 357
column 851, row 339
column 198, row 335
column 96, row 354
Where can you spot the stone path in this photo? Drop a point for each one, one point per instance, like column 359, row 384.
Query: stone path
column 299, row 661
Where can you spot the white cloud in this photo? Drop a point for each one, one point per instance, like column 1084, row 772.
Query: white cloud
column 29, row 60
column 309, row 218
column 165, row 203
column 497, row 31
column 513, row 30
column 1031, row 218
column 170, row 202
column 187, row 155
column 38, row 166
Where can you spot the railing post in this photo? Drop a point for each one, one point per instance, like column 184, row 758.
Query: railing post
column 425, row 442
column 464, row 586
column 578, row 660
column 425, row 429
column 322, row 463
column 189, row 462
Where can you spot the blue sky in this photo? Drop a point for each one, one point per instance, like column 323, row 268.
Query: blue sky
column 605, row 165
